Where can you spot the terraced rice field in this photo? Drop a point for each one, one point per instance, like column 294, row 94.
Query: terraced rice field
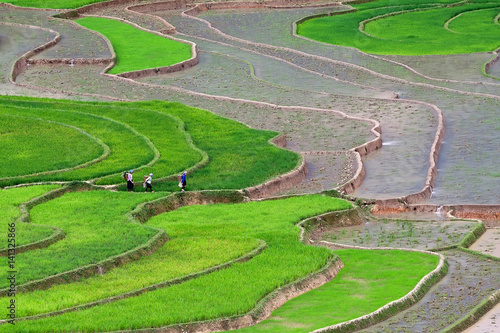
column 382, row 100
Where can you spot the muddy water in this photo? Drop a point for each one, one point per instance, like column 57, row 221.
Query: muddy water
column 466, row 173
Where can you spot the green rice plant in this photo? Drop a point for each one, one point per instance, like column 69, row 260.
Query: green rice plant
column 232, row 291
column 53, row 146
column 239, row 157
column 96, row 228
column 411, row 27
column 137, row 49
column 128, row 147
column 10, row 200
column 55, row 4
column 177, row 258
column 369, row 280
column 166, row 133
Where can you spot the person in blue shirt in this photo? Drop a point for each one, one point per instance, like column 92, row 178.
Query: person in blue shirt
column 183, row 181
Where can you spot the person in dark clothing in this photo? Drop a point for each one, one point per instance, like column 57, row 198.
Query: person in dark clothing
column 147, row 181
column 130, row 182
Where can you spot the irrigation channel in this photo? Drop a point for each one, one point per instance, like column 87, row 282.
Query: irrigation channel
column 325, row 99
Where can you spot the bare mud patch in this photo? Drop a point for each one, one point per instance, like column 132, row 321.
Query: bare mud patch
column 118, row 11
column 494, row 70
column 325, row 172
column 76, row 41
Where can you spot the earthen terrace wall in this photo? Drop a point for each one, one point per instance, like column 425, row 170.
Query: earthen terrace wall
column 489, row 213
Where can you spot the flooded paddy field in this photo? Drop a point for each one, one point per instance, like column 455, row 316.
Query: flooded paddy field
column 271, row 65
column 402, row 234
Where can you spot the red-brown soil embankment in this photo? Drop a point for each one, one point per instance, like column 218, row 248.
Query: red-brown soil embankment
column 490, row 214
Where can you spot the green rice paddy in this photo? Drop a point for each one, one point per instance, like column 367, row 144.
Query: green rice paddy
column 202, row 236
column 369, row 280
column 44, row 140
column 284, row 260
column 9, row 206
column 177, row 258
column 137, row 49
column 155, row 137
column 25, row 140
column 411, row 27
column 96, row 229
column 55, row 4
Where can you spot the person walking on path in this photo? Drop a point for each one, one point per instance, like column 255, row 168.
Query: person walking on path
column 183, row 181
column 130, row 181
column 147, row 181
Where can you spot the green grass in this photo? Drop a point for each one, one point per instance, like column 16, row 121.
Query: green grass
column 369, row 280
column 9, row 207
column 137, row 49
column 96, row 228
column 239, row 157
column 416, row 28
column 212, row 296
column 53, row 146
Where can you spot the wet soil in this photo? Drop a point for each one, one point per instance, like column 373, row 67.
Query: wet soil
column 495, row 70
column 488, row 243
column 466, row 174
column 325, row 172
column 463, row 67
column 14, row 42
column 460, row 110
column 405, row 129
column 470, row 278
column 401, row 234
column 76, row 41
